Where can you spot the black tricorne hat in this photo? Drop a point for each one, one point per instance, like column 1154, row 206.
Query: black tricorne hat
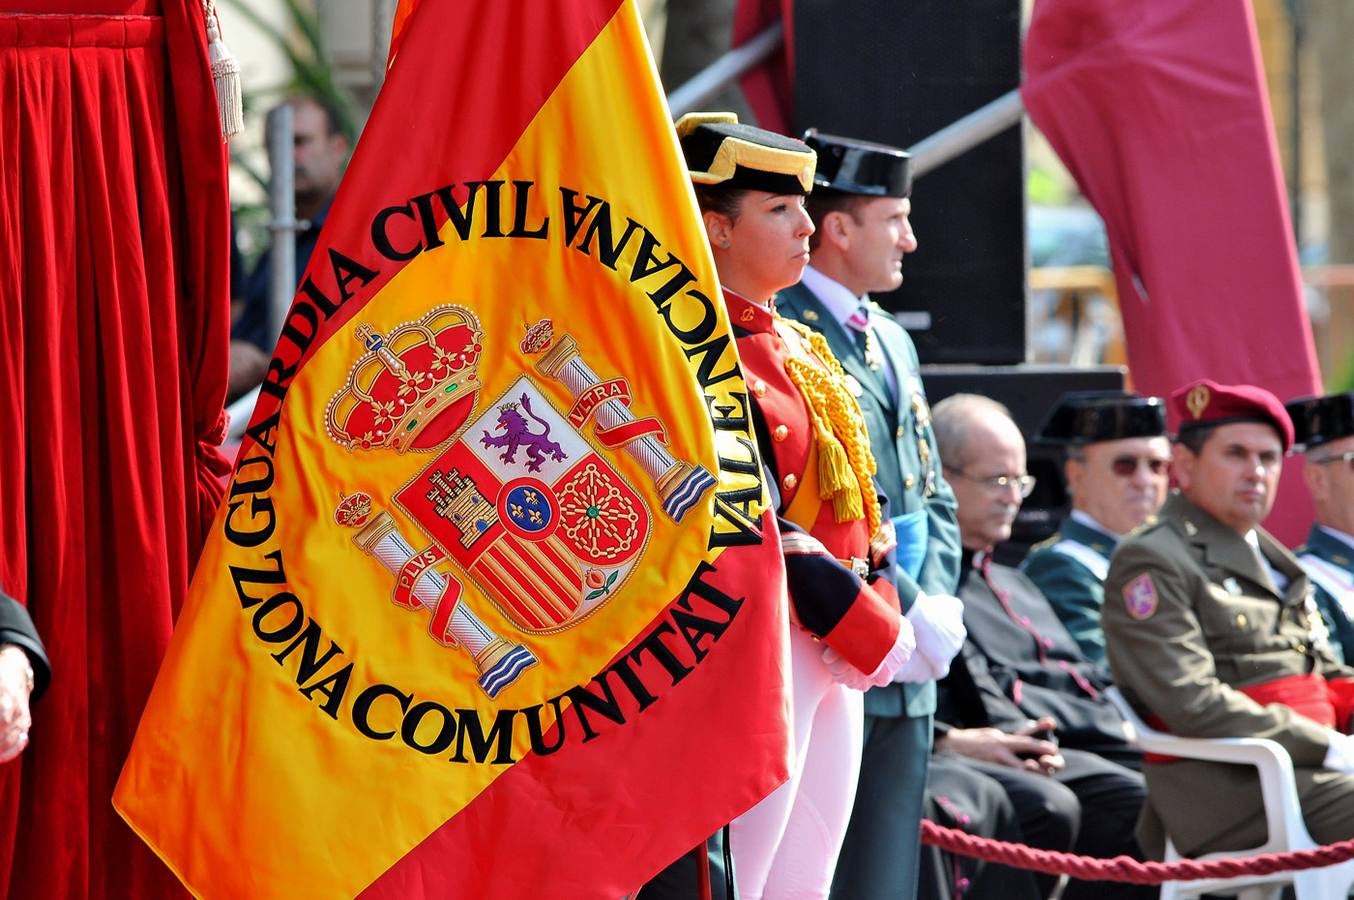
column 1320, row 420
column 860, row 167
column 720, row 150
column 1089, row 417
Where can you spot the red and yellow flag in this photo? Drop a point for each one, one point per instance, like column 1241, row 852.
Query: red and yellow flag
column 487, row 611
column 403, row 10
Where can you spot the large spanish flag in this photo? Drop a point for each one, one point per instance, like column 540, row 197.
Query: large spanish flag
column 488, row 611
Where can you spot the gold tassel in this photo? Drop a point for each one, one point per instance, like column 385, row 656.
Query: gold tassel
column 837, row 481
column 225, row 76
column 845, row 464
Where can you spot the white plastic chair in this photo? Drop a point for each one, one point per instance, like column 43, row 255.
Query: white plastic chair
column 1283, row 817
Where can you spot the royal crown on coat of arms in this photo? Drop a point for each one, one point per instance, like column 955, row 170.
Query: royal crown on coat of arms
column 400, row 391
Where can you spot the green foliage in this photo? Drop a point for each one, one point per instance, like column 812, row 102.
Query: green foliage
column 301, row 40
column 1044, row 188
column 1342, row 379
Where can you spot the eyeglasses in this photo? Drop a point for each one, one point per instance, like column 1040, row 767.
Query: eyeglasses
column 997, row 483
column 1126, row 466
column 1347, row 458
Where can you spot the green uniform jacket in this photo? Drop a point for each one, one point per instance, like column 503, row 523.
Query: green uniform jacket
column 1190, row 614
column 1328, row 562
column 1070, row 568
column 897, row 432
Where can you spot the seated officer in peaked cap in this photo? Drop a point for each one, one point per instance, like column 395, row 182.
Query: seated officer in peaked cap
column 1324, row 430
column 860, row 207
column 1210, row 632
column 1115, row 464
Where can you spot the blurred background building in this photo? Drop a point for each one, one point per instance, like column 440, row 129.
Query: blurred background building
column 337, row 48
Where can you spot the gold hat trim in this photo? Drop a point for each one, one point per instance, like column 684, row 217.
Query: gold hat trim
column 691, row 121
column 735, row 152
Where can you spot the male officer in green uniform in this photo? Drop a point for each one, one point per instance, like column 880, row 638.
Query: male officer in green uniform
column 1211, row 633
column 860, row 205
column 1116, row 455
column 1325, row 431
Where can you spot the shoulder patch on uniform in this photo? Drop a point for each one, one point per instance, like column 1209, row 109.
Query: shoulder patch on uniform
column 1140, row 596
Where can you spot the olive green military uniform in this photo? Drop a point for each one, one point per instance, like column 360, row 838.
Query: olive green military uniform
column 1190, row 615
column 1069, row 569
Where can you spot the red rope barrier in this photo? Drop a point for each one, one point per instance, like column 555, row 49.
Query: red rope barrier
column 1125, row 868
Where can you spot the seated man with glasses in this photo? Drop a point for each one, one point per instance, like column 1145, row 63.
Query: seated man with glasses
column 1115, row 469
column 1021, row 704
column 1325, row 433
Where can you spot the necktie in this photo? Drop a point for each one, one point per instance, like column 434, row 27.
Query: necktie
column 859, row 325
column 859, row 320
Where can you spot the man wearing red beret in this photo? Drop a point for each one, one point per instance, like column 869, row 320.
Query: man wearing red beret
column 1211, row 632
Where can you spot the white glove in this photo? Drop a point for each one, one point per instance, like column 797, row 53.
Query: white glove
column 1340, row 753
column 845, row 673
column 917, row 670
column 938, row 621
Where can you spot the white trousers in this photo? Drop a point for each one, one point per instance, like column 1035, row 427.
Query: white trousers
column 786, row 847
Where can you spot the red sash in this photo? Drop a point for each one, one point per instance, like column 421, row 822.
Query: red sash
column 1341, row 693
column 1308, row 695
column 1324, row 702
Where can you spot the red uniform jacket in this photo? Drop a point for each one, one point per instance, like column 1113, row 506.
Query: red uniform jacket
column 857, row 616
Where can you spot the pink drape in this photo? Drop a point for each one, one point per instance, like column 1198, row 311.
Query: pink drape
column 1159, row 110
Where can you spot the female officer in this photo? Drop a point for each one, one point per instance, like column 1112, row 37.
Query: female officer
column 848, row 634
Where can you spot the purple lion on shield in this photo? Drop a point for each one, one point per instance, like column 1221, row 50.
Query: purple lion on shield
column 517, row 434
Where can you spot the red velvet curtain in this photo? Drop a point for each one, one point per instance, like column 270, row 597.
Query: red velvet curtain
column 113, row 339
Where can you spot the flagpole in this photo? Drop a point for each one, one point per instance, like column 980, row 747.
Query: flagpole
column 966, row 133
column 712, row 79
column 282, row 200
column 382, row 20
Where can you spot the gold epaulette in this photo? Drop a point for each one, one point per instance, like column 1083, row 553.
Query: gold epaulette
column 1047, row 542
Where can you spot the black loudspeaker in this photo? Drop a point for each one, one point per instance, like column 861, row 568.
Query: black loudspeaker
column 895, row 73
column 1029, row 392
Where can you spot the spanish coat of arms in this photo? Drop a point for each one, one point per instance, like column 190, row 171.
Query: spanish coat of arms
column 520, row 500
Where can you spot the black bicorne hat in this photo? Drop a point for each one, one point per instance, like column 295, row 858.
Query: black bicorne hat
column 721, row 150
column 860, row 167
column 1320, row 420
column 1088, row 417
